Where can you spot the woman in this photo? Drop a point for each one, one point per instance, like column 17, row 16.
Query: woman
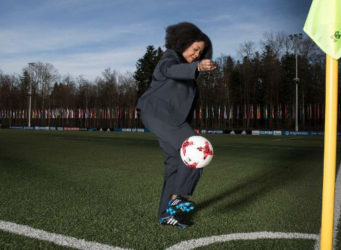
column 165, row 109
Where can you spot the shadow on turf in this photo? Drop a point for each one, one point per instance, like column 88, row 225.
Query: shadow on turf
column 252, row 188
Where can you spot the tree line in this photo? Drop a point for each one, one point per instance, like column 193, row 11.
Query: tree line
column 256, row 91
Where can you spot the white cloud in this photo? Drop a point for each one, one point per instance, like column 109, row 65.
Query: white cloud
column 90, row 65
column 41, row 38
column 84, row 51
column 83, row 37
column 215, row 19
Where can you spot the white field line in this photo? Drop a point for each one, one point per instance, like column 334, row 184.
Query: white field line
column 67, row 241
column 191, row 244
column 57, row 239
column 72, row 242
column 337, row 210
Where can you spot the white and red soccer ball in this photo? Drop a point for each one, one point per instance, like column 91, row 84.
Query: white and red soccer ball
column 196, row 151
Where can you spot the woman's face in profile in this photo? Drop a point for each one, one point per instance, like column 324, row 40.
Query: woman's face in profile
column 193, row 52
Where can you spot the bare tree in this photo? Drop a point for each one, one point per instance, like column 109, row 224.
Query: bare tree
column 246, row 49
column 276, row 41
column 42, row 75
column 108, row 87
column 127, row 89
column 85, row 93
column 63, row 94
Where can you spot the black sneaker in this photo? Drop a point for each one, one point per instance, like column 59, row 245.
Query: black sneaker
column 180, row 205
column 172, row 221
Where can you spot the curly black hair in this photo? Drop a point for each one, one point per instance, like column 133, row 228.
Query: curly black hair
column 180, row 36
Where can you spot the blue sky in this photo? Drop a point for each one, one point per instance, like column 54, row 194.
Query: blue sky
column 84, row 37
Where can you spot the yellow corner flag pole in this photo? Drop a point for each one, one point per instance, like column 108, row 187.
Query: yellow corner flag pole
column 330, row 138
column 323, row 25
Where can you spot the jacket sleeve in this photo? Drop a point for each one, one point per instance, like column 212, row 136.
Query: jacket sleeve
column 171, row 68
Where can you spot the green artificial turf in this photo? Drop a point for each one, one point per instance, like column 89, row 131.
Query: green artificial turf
column 105, row 187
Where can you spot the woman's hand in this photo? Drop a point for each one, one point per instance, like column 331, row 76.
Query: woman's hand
column 206, row 65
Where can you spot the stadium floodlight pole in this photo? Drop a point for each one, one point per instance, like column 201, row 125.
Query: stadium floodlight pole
column 30, row 99
column 294, row 38
column 29, row 104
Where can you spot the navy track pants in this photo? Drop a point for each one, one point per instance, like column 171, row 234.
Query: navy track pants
column 178, row 178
